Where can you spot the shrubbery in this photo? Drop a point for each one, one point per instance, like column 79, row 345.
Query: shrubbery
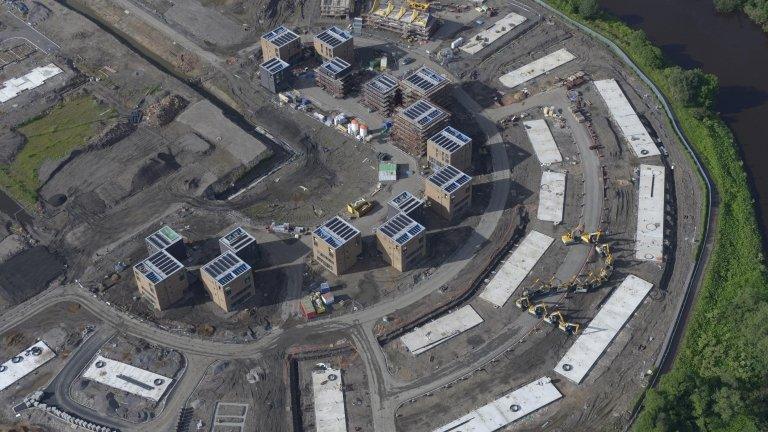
column 720, row 378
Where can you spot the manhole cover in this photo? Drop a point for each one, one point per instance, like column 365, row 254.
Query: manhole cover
column 332, row 377
column 100, row 364
column 567, row 367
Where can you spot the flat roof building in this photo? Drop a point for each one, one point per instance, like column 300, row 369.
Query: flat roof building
column 381, row 94
column 450, row 147
column 335, row 42
column 273, row 75
column 336, row 8
column 169, row 240
column 425, row 83
column 406, row 203
column 335, row 77
column 229, row 281
column 336, row 245
column 280, row 43
column 402, row 241
column 161, row 279
column 449, row 192
column 417, row 123
column 402, row 17
column 241, row 243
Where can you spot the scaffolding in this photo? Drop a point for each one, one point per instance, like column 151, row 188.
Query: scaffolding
column 417, row 123
column 381, row 94
column 411, row 19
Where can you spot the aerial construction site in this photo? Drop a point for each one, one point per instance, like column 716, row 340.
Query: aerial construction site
column 330, row 215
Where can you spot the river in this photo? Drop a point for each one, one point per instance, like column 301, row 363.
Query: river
column 693, row 35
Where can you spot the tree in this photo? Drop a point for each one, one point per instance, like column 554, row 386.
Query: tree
column 692, row 87
column 728, row 5
column 588, row 9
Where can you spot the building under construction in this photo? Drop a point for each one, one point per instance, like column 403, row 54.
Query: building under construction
column 336, row 245
column 280, row 43
column 229, row 281
column 161, row 279
column 425, row 83
column 241, row 243
column 406, row 203
column 334, row 42
column 336, row 8
column 449, row 192
column 168, row 240
column 273, row 75
column 417, row 123
column 381, row 94
column 409, row 18
column 402, row 241
column 335, row 77
column 450, row 147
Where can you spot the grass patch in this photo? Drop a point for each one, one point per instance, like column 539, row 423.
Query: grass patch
column 64, row 128
column 719, row 381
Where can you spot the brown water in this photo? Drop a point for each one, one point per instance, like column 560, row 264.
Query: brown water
column 693, row 35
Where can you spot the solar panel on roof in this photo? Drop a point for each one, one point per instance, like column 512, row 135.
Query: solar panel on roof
column 280, row 36
column 224, row 263
column 449, row 178
column 274, row 65
column 383, row 83
column 401, row 228
column 425, row 79
column 334, row 36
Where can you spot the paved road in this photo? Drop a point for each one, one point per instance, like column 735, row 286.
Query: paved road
column 19, row 29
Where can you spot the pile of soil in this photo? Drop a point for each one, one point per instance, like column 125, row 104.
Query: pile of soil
column 165, row 110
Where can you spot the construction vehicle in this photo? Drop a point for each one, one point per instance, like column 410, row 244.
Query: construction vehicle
column 605, row 251
column 418, row 5
column 569, row 238
column 538, row 310
column 557, row 319
column 592, row 237
column 359, row 208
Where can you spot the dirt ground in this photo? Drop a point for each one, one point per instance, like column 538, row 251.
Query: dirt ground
column 110, row 401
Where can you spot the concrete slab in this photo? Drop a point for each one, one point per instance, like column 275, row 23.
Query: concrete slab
column 649, row 239
column 506, row 409
column 516, row 268
column 542, row 141
column 537, row 67
column 593, row 341
column 328, row 391
column 625, row 116
column 24, row 363
column 440, row 330
column 35, row 78
column 551, row 197
column 127, row 378
column 492, row 33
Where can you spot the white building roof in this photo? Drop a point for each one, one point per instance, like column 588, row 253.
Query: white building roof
column 649, row 240
column 492, row 33
column 542, row 141
column 434, row 333
column 127, row 378
column 328, row 391
column 536, row 68
column 516, row 268
column 35, row 78
column 506, row 409
column 551, row 196
column 625, row 116
column 24, row 363
column 588, row 348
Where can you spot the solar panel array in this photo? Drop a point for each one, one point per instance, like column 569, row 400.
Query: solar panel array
column 425, row 79
column 159, row 266
column 423, row 113
column 226, row 267
column 238, row 239
column 401, row 228
column 450, row 139
column 336, row 232
column 334, row 36
column 336, row 66
column 274, row 65
column 383, row 83
column 405, row 202
column 448, row 178
column 163, row 237
column 280, row 36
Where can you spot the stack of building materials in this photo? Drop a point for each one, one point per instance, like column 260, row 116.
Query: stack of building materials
column 335, row 77
column 417, row 123
column 273, row 75
column 334, row 42
column 336, row 8
column 425, row 83
column 280, row 43
column 449, row 192
column 401, row 241
column 229, row 281
column 407, row 18
column 450, row 147
column 336, row 245
column 381, row 94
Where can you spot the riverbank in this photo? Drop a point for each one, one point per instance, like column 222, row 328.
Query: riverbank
column 718, row 378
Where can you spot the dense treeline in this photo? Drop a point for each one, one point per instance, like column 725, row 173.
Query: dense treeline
column 757, row 10
column 720, row 378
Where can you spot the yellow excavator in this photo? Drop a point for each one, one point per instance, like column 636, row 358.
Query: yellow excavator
column 557, row 319
column 418, row 5
column 539, row 310
column 592, row 237
column 605, row 251
column 359, row 208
